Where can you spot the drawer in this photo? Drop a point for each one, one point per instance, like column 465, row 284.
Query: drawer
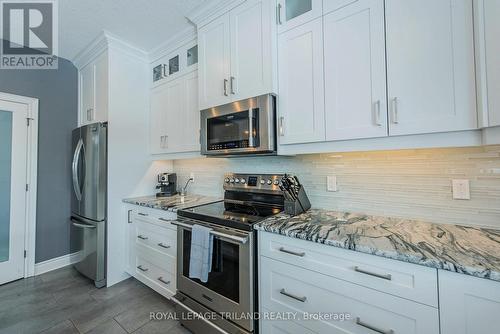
column 161, row 260
column 155, row 277
column 158, row 217
column 274, row 326
column 163, row 240
column 288, row 288
column 401, row 279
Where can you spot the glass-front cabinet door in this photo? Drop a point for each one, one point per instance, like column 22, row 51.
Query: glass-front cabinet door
column 292, row 13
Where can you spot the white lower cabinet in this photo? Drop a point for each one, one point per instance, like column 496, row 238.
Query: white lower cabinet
column 359, row 294
column 153, row 249
column 468, row 305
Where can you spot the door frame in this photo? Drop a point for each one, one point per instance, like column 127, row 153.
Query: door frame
column 31, row 178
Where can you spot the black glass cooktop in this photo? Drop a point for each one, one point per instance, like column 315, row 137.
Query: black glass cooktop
column 231, row 214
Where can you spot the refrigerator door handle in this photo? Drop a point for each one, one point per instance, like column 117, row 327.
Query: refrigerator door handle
column 74, row 167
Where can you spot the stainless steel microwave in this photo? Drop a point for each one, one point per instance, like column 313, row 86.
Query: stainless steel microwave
column 240, row 128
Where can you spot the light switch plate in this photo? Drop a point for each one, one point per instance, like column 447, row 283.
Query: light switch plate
column 331, row 183
column 461, row 189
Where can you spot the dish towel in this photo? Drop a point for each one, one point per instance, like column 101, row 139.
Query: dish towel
column 200, row 262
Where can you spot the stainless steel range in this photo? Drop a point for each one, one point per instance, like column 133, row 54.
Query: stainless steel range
column 230, row 294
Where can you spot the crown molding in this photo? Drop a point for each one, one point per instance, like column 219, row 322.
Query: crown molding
column 103, row 42
column 210, row 10
column 185, row 36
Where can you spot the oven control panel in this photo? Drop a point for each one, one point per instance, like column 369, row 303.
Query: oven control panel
column 252, row 182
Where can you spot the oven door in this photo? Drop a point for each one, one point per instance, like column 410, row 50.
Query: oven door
column 245, row 126
column 229, row 287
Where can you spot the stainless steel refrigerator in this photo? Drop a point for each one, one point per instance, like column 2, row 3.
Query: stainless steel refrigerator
column 88, row 204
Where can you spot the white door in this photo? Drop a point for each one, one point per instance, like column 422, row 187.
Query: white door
column 355, row 80
column 86, row 78
column 301, row 90
column 292, row 13
column 251, row 49
column 13, row 174
column 175, row 115
column 101, row 88
column 157, row 119
column 214, row 62
column 191, row 114
column 430, row 66
column 468, row 305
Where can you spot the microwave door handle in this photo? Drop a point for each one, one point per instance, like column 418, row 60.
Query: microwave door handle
column 250, row 128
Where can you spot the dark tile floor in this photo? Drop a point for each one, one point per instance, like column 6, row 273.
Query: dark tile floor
column 63, row 301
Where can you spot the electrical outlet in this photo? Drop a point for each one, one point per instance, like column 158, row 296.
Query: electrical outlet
column 460, row 189
column 191, row 176
column 331, row 183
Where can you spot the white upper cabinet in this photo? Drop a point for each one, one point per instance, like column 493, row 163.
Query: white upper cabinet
column 214, row 62
column 487, row 59
column 430, row 66
column 237, row 54
column 468, row 305
column 301, row 96
column 157, row 118
column 355, row 78
column 292, row 13
column 93, row 86
column 251, row 49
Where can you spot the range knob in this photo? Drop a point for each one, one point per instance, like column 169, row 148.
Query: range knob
column 276, row 182
column 269, row 182
column 262, row 181
column 231, row 180
column 243, row 181
column 226, row 180
column 237, row 180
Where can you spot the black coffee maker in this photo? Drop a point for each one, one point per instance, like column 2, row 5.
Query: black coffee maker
column 167, row 183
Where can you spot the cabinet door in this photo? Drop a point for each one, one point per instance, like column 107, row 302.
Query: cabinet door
column 174, row 116
column 355, row 81
column 157, row 119
column 101, row 88
column 251, row 49
column 430, row 66
column 190, row 119
column 86, row 78
column 468, row 305
column 488, row 66
column 214, row 62
column 292, row 13
column 301, row 89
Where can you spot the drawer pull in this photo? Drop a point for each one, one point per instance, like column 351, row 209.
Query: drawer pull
column 284, row 250
column 373, row 328
column 141, row 268
column 142, row 214
column 164, row 220
column 359, row 270
column 300, row 299
column 163, row 281
column 163, row 246
column 142, row 237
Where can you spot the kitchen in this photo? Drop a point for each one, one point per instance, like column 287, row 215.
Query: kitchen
column 253, row 166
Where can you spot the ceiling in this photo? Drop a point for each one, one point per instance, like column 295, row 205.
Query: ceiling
column 143, row 23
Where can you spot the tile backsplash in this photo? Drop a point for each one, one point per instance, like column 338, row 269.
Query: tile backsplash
column 406, row 183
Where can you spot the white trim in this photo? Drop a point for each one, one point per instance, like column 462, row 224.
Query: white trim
column 185, row 36
column 210, row 10
column 31, row 178
column 56, row 263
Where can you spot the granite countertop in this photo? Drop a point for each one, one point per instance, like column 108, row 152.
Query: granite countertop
column 172, row 203
column 468, row 250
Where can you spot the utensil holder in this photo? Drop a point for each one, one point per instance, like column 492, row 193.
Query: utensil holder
column 297, row 206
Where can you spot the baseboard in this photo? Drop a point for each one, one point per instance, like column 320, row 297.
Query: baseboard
column 57, row 262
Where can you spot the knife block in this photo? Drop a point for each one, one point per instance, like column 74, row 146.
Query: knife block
column 298, row 206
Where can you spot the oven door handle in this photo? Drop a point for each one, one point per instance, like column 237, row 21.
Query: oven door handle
column 240, row 240
column 198, row 315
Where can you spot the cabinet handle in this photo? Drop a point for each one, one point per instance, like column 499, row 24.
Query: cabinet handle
column 225, row 87
column 232, row 85
column 142, row 237
column 163, row 246
column 89, row 114
column 366, row 272
column 373, row 328
column 300, row 299
column 395, row 119
column 141, row 268
column 128, row 217
column 278, row 14
column 166, row 141
column 164, row 220
column 142, row 214
column 284, row 250
column 282, row 131
column 163, row 281
column 377, row 113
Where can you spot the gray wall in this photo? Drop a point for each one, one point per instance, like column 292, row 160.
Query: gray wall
column 58, row 94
